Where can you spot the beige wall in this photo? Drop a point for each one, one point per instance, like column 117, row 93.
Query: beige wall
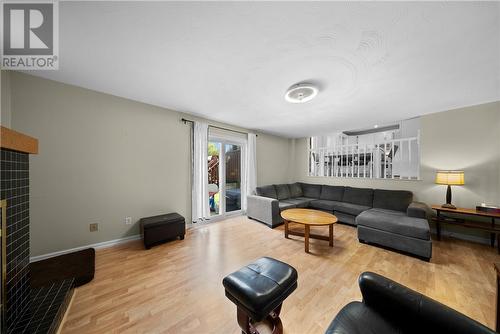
column 5, row 114
column 273, row 159
column 103, row 158
column 466, row 138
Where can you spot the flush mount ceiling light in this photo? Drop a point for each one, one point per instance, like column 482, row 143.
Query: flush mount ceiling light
column 301, row 93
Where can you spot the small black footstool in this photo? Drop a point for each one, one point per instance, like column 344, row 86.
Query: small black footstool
column 158, row 229
column 258, row 290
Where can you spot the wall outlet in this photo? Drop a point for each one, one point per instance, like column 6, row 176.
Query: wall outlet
column 128, row 220
column 94, row 227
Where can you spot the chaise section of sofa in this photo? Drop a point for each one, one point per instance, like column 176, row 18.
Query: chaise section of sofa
column 396, row 222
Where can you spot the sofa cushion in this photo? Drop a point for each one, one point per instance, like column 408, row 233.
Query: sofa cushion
column 266, row 191
column 345, row 218
column 352, row 209
column 282, row 191
column 395, row 222
column 311, row 190
column 398, row 200
column 305, row 198
column 299, row 202
column 361, row 196
column 387, row 211
column 295, row 190
column 417, row 210
column 322, row 204
column 283, row 205
column 332, row 193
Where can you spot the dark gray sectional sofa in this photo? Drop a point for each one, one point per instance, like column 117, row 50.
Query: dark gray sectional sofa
column 388, row 218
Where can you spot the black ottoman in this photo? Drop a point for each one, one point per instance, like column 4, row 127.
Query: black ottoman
column 161, row 228
column 79, row 265
column 258, row 290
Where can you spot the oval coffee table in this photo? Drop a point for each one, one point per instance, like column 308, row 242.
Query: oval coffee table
column 308, row 218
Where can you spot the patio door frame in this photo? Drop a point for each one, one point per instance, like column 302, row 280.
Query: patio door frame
column 224, row 140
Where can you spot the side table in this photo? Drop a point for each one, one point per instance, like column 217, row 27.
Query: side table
column 443, row 217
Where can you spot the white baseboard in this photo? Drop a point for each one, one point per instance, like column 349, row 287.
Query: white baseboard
column 99, row 245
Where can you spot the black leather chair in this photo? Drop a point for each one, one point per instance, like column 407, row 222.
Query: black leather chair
column 389, row 307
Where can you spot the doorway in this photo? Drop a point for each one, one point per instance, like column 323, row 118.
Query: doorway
column 225, row 161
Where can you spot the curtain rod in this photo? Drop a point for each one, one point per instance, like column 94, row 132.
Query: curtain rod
column 184, row 120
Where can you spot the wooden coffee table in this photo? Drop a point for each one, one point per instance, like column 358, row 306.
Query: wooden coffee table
column 308, row 218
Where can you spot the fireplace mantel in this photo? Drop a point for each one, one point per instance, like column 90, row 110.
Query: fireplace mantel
column 17, row 141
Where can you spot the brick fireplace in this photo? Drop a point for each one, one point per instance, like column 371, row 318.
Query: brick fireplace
column 24, row 309
column 15, row 194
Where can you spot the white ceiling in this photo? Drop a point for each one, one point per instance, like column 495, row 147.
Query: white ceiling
column 375, row 62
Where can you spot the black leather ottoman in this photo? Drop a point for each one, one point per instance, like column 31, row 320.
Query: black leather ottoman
column 162, row 228
column 258, row 290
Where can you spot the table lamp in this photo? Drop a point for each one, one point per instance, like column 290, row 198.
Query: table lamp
column 449, row 178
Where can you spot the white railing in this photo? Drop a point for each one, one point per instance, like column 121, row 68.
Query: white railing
column 389, row 159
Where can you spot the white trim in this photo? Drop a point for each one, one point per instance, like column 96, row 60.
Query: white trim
column 99, row 245
column 218, row 218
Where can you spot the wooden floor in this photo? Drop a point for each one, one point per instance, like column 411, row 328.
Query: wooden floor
column 177, row 287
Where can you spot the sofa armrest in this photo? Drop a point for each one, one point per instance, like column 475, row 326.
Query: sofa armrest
column 417, row 210
column 410, row 309
column 264, row 209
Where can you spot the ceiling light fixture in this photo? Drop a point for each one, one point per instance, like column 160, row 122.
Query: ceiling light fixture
column 301, row 92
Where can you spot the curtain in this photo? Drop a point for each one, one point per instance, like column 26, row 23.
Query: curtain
column 199, row 194
column 251, row 168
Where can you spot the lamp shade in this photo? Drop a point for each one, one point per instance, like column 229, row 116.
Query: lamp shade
column 450, row 177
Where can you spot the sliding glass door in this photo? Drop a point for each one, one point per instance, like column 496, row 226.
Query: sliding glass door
column 224, row 176
column 232, row 182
